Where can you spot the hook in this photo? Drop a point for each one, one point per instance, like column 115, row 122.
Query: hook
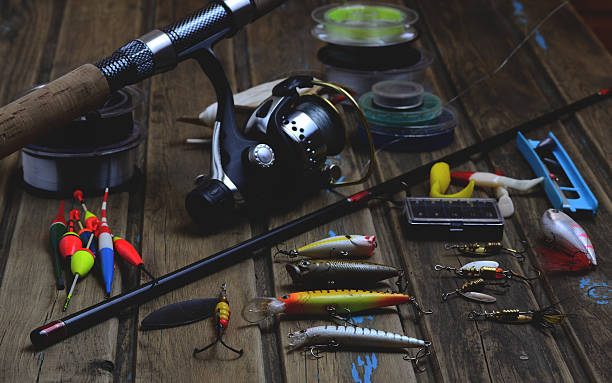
column 422, row 353
column 475, row 315
column 417, row 308
column 441, row 267
column 289, row 253
column 519, row 254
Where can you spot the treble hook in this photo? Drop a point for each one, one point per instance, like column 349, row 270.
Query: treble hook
column 289, row 253
column 318, row 347
column 418, row 310
column 422, row 353
column 331, row 311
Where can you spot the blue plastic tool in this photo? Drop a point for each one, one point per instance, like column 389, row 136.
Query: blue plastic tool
column 586, row 201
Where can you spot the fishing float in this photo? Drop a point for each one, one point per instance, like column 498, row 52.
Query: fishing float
column 126, row 251
column 105, row 248
column 56, row 231
column 69, row 244
column 80, row 264
column 91, row 221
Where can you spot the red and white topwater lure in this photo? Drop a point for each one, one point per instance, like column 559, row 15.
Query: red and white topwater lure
column 571, row 248
column 341, row 246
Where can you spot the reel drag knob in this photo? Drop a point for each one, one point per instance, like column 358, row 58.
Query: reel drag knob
column 211, row 204
column 261, row 155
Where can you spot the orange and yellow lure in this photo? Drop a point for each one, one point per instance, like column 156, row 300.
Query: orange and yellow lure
column 326, row 302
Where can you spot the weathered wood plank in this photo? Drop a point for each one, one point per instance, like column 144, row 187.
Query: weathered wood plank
column 88, row 356
column 170, row 239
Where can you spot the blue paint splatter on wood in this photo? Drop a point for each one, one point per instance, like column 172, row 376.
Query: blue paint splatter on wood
column 369, row 365
column 596, row 289
column 522, row 18
column 540, row 40
column 331, row 233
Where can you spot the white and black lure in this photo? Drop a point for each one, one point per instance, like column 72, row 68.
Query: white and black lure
column 342, row 246
column 319, row 338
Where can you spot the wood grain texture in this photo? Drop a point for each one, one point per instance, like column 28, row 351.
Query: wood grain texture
column 170, row 239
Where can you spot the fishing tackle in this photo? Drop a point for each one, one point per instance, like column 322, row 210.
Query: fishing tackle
column 439, row 180
column 105, row 248
column 336, row 272
column 341, row 246
column 223, row 313
column 81, row 263
column 485, row 270
column 56, row 231
column 325, row 302
column 547, row 317
column 485, row 249
column 69, row 244
column 129, row 253
column 86, row 235
column 570, row 246
column 332, row 337
column 91, row 221
column 470, row 290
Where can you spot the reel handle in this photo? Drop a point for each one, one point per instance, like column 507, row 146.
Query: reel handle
column 211, row 204
column 52, row 106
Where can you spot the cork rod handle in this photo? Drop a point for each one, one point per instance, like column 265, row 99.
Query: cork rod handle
column 40, row 112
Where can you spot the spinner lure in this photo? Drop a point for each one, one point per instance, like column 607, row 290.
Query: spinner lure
column 324, row 302
column 483, row 249
column 547, row 317
column 483, row 269
column 319, row 338
column 472, row 290
column 341, row 246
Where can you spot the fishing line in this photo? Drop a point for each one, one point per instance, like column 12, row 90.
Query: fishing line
column 512, row 54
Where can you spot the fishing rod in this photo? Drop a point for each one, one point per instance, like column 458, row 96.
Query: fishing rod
column 61, row 329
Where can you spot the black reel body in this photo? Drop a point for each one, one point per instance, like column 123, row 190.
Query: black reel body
column 277, row 160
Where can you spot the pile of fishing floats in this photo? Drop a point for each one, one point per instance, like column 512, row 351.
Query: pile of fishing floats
column 93, row 244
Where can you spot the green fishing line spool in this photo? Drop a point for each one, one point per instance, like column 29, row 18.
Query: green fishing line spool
column 364, row 24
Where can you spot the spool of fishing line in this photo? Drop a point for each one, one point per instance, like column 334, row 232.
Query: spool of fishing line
column 364, row 24
column 92, row 152
column 403, row 117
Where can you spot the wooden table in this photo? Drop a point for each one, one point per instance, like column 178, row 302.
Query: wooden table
column 40, row 40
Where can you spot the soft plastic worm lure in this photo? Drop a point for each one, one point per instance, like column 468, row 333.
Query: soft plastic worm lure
column 319, row 338
column 479, row 249
column 325, row 273
column 547, row 317
column 222, row 315
column 483, row 269
column 325, row 302
column 342, row 246
column 470, row 290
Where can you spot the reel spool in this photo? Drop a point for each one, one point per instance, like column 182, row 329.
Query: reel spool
column 103, row 157
column 405, row 118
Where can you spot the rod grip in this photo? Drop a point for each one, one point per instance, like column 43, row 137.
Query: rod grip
column 54, row 105
column 265, row 6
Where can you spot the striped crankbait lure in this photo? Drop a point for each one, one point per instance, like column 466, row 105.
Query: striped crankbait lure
column 335, row 272
column 324, row 302
column 341, row 246
column 319, row 338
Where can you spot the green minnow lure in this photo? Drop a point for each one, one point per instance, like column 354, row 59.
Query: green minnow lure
column 340, row 246
column 332, row 337
column 326, row 302
column 327, row 273
column 547, row 317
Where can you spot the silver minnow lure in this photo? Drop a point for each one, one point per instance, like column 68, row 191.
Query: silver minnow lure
column 563, row 232
column 349, row 336
column 339, row 272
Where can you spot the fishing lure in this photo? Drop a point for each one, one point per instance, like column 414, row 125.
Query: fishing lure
column 479, row 249
column 485, row 270
column 222, row 316
column 331, row 337
column 332, row 272
column 547, row 317
column 470, row 290
column 574, row 251
column 329, row 302
column 341, row 246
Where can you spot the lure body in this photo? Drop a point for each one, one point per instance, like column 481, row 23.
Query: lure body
column 567, row 235
column 350, row 336
column 470, row 290
column 493, row 180
column 545, row 318
column 322, row 302
column 331, row 272
column 479, row 249
column 105, row 249
column 346, row 246
column 482, row 269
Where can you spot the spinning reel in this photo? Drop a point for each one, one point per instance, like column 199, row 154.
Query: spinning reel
column 280, row 156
